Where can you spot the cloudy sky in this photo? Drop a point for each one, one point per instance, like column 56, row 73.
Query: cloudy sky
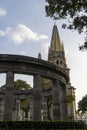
column 25, row 30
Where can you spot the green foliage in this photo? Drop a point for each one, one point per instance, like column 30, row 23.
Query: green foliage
column 45, row 82
column 82, row 105
column 25, row 104
column 74, row 11
column 21, row 85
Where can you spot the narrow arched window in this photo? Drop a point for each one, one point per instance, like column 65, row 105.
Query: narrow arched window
column 61, row 62
column 57, row 62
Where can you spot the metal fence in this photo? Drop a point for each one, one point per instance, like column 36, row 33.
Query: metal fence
column 43, row 125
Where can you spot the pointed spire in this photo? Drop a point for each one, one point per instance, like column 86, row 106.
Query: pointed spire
column 63, row 47
column 56, row 54
column 63, row 51
column 55, row 41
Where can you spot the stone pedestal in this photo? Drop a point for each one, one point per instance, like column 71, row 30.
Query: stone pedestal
column 56, row 100
column 63, row 103
column 37, row 98
column 9, row 99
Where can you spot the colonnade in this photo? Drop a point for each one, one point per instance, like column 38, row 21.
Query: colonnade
column 58, row 94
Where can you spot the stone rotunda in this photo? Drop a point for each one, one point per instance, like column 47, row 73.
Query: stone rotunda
column 55, row 69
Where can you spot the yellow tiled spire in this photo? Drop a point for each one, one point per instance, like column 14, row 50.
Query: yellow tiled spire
column 62, row 47
column 55, row 41
column 56, row 52
column 63, row 51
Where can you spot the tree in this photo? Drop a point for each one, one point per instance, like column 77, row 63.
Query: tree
column 21, row 85
column 82, row 107
column 82, row 104
column 74, row 13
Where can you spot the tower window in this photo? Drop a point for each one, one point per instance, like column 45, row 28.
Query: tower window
column 61, row 62
column 57, row 62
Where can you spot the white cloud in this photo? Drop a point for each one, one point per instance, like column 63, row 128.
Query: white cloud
column 42, row 37
column 22, row 33
column 2, row 33
column 45, row 47
column 5, row 32
column 2, row 12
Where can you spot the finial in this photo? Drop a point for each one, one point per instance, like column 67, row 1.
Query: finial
column 39, row 56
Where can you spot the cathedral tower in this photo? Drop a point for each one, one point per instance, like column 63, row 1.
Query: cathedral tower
column 56, row 54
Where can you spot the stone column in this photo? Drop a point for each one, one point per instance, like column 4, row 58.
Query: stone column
column 56, row 100
column 9, row 98
column 63, row 103
column 17, row 110
column 31, row 109
column 37, row 98
column 1, row 108
column 44, row 108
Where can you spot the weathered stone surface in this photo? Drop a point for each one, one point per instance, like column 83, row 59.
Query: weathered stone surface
column 56, row 100
column 31, row 66
column 44, row 107
column 9, row 98
column 63, row 103
column 37, row 98
column 12, row 64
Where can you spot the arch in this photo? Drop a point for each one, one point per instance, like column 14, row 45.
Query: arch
column 17, row 64
column 31, row 66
